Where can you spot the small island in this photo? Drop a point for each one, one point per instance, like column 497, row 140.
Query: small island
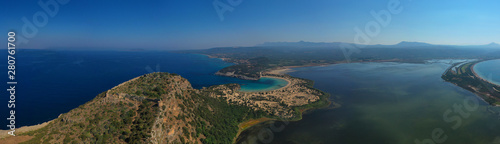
column 463, row 75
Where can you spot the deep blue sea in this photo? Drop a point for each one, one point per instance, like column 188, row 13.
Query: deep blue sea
column 54, row 82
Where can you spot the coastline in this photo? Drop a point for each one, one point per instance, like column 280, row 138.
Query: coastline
column 248, row 124
column 209, row 56
column 283, row 70
column 478, row 76
column 486, row 81
column 301, row 110
column 288, row 84
column 289, row 69
column 252, row 122
column 4, row 136
column 24, row 129
column 467, row 78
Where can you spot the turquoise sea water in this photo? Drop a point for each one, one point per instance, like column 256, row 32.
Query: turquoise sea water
column 489, row 70
column 264, row 84
column 54, row 82
column 386, row 103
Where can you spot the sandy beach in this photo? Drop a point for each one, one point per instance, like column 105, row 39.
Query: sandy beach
column 477, row 75
column 8, row 139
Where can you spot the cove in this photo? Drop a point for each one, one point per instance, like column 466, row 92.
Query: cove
column 263, row 84
column 489, row 70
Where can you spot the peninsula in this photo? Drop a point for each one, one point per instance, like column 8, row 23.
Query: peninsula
column 164, row 108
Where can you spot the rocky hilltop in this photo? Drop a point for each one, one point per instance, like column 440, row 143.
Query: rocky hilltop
column 248, row 69
column 164, row 108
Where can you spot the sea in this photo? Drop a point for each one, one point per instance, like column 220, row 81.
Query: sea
column 381, row 103
column 489, row 70
column 52, row 82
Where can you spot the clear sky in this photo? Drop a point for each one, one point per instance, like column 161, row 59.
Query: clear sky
column 195, row 24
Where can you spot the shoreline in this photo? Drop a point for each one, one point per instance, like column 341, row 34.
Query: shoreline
column 19, row 137
column 486, row 81
column 23, row 129
column 288, row 69
column 280, row 71
column 223, row 59
column 252, row 122
column 244, row 125
column 471, row 75
column 289, row 83
column 478, row 76
column 248, row 124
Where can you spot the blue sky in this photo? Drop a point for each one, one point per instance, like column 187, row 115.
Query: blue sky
column 195, row 24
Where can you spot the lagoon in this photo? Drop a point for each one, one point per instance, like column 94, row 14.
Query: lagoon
column 51, row 82
column 384, row 103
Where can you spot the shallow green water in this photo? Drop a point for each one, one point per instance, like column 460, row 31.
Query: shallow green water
column 264, row 84
column 386, row 103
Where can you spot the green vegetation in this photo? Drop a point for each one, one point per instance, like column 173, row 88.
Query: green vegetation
column 250, row 68
column 131, row 118
column 141, row 126
column 95, row 122
column 303, row 55
column 464, row 77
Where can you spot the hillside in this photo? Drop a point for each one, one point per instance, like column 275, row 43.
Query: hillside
column 164, row 108
column 285, row 54
column 463, row 75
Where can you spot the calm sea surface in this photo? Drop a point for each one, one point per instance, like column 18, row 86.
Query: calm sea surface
column 54, row 82
column 386, row 103
column 264, row 84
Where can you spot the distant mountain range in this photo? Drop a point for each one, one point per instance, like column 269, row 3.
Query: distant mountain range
column 403, row 44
